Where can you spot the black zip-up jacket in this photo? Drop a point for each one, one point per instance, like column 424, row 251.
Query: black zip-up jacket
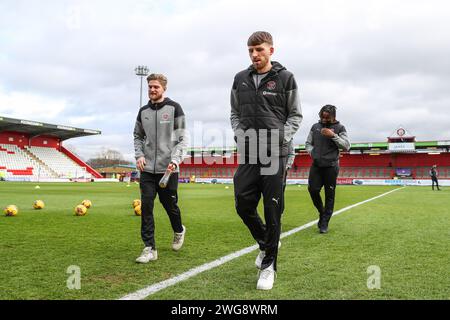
column 325, row 151
column 273, row 105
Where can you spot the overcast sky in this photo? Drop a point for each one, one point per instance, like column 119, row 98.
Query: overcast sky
column 382, row 63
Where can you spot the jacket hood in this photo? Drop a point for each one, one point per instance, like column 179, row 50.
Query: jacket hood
column 159, row 105
column 276, row 67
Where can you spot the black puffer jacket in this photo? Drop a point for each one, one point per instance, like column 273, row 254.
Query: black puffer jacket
column 273, row 105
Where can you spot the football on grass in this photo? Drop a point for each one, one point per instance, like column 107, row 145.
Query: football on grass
column 11, row 211
column 136, row 202
column 87, row 203
column 137, row 210
column 80, row 210
column 39, row 204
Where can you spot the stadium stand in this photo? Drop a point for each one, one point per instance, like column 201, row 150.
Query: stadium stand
column 16, row 163
column 58, row 162
column 351, row 166
column 400, row 157
column 33, row 151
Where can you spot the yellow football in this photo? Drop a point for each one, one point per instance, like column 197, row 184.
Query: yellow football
column 87, row 203
column 136, row 202
column 137, row 210
column 39, row 204
column 80, row 210
column 11, row 210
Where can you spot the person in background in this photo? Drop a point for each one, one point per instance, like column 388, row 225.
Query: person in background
column 434, row 179
column 323, row 143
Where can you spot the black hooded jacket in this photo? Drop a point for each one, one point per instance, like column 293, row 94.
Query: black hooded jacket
column 325, row 151
column 273, row 105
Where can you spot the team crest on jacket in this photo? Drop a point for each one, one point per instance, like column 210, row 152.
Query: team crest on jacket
column 271, row 85
column 165, row 116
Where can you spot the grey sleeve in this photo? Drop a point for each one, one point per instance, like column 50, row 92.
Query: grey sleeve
column 295, row 116
column 291, row 154
column 139, row 140
column 309, row 144
column 234, row 117
column 181, row 138
column 342, row 140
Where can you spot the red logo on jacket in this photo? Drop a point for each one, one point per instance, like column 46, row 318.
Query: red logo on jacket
column 271, row 85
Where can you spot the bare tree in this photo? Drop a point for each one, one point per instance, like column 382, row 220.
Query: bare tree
column 108, row 158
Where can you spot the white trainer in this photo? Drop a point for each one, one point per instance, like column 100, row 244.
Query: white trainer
column 261, row 255
column 259, row 258
column 178, row 239
column 147, row 255
column 266, row 278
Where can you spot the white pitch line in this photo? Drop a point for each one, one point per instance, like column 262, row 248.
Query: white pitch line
column 152, row 289
column 309, row 224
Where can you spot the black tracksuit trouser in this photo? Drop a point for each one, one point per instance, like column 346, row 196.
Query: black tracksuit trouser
column 249, row 183
column 284, row 189
column 434, row 180
column 149, row 184
column 323, row 177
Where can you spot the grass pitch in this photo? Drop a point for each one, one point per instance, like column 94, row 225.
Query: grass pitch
column 404, row 234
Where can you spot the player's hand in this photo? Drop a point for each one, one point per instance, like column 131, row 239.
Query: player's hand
column 172, row 166
column 327, row 132
column 140, row 163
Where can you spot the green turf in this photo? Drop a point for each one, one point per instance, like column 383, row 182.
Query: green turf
column 405, row 233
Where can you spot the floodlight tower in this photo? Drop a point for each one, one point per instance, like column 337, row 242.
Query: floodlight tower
column 141, row 71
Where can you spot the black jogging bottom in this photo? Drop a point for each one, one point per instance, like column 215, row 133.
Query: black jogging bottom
column 250, row 182
column 323, row 177
column 149, row 184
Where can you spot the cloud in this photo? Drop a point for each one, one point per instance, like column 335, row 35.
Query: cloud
column 30, row 106
column 382, row 63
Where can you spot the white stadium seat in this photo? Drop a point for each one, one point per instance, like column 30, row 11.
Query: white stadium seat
column 38, row 162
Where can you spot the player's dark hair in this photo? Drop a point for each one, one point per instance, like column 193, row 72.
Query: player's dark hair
column 260, row 37
column 329, row 109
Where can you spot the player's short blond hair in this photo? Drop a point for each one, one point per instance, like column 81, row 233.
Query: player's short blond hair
column 162, row 79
